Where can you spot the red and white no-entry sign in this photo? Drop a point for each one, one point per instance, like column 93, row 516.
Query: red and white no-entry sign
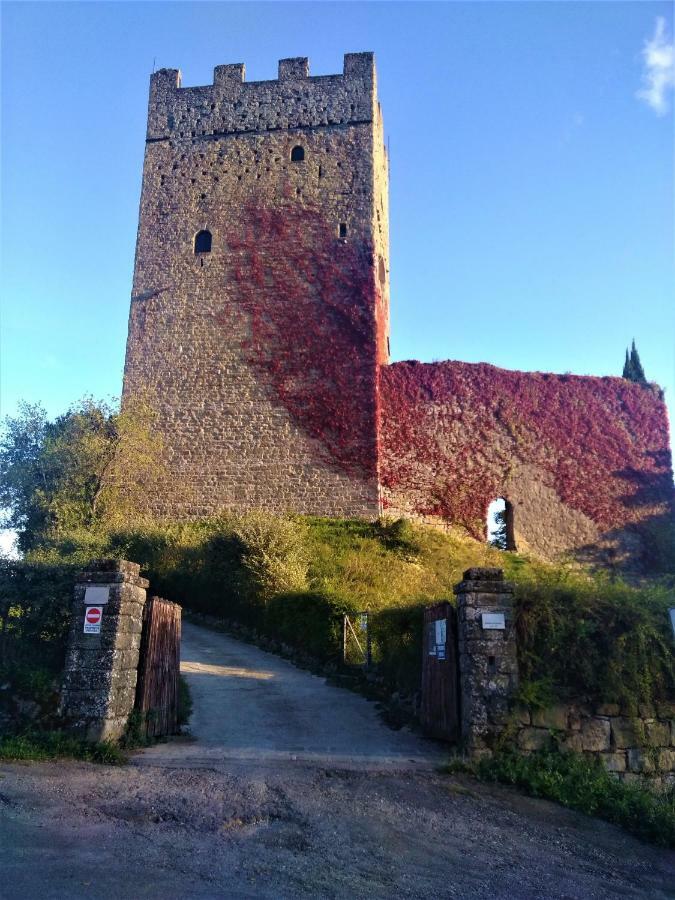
column 92, row 619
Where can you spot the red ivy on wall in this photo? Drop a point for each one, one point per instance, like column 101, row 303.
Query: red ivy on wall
column 451, row 433
column 311, row 303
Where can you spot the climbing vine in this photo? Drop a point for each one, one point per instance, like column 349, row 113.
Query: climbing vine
column 452, row 432
column 313, row 318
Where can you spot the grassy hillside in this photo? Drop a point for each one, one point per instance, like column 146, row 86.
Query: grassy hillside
column 578, row 634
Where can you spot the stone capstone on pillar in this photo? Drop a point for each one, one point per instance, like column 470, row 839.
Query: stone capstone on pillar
column 99, row 684
column 488, row 664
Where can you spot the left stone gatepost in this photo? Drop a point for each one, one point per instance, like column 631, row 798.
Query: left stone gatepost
column 99, row 683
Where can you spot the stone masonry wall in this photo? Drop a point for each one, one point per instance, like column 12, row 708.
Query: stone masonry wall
column 260, row 357
column 584, row 462
column 488, row 659
column 633, row 747
column 99, row 682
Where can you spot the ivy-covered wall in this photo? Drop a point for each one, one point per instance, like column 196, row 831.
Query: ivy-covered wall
column 584, row 461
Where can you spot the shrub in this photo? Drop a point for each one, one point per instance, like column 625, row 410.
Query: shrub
column 35, row 605
column 584, row 784
column 273, row 553
column 312, row 622
column 35, row 610
column 592, row 637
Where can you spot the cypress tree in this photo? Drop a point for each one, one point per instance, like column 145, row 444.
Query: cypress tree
column 636, row 366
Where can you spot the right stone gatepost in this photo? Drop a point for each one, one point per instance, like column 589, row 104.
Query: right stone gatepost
column 488, row 662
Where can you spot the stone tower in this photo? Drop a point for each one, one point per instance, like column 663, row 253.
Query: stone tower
column 259, row 314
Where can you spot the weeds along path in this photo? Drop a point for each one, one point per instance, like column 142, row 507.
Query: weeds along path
column 252, row 707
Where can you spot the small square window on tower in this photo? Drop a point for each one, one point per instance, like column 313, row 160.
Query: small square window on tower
column 342, row 230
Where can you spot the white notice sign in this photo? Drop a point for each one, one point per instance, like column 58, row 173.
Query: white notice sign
column 96, row 595
column 493, row 621
column 441, row 633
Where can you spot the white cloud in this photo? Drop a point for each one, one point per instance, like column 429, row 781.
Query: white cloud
column 658, row 76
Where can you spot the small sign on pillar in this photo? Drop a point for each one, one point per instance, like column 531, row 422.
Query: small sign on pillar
column 92, row 619
column 96, row 595
column 493, row 621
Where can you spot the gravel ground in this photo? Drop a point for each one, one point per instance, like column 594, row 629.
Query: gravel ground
column 315, row 811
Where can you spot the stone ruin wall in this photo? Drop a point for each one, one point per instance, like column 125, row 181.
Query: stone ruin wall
column 584, row 461
column 260, row 356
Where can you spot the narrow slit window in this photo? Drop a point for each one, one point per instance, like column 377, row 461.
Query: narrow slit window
column 297, row 154
column 342, row 231
column 203, row 242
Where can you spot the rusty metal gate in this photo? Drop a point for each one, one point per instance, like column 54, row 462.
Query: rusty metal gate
column 159, row 667
column 439, row 712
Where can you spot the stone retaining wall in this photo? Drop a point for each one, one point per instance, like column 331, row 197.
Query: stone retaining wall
column 632, row 747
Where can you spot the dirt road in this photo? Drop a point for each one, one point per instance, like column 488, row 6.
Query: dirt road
column 295, row 789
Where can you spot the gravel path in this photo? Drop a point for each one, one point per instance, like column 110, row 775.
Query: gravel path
column 295, row 789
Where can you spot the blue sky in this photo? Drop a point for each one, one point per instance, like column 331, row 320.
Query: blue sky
column 531, row 185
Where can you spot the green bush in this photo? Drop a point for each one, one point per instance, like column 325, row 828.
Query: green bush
column 35, row 603
column 584, row 784
column 35, row 611
column 312, row 622
column 591, row 637
column 273, row 553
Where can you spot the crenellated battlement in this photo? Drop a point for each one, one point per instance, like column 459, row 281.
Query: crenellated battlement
column 295, row 99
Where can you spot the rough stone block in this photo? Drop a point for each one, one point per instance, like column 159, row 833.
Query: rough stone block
column 640, row 761
column 666, row 760
column 533, row 738
column 571, row 741
column 551, row 717
column 607, row 709
column 595, row 734
column 614, row 762
column 521, row 715
column 657, row 734
column 625, row 732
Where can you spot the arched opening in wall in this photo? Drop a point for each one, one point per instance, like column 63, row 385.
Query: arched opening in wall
column 297, row 154
column 203, row 242
column 499, row 526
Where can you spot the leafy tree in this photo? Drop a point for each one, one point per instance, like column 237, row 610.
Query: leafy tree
column 632, row 368
column 88, row 468
column 498, row 536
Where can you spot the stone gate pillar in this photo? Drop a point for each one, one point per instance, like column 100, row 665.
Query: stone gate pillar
column 488, row 665
column 99, row 683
